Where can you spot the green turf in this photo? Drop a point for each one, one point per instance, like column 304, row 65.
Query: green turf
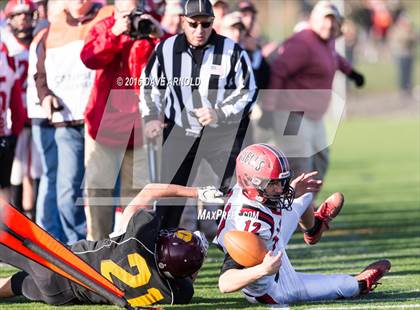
column 376, row 164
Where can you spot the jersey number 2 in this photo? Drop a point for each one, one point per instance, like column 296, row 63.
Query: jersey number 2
column 153, row 295
column 3, row 97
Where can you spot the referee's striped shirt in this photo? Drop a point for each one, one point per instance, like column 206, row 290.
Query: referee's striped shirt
column 224, row 81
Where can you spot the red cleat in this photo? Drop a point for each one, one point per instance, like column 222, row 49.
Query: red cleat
column 328, row 210
column 372, row 274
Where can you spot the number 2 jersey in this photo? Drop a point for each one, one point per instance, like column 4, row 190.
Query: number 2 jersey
column 129, row 262
column 241, row 213
column 12, row 112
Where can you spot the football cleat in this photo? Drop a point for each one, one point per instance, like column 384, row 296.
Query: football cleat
column 328, row 210
column 372, row 274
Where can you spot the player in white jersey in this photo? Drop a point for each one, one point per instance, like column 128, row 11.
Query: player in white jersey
column 266, row 202
column 12, row 117
column 17, row 35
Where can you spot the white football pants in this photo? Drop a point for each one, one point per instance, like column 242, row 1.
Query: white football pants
column 292, row 286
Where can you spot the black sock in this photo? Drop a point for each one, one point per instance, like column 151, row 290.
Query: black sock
column 362, row 285
column 16, row 196
column 312, row 231
column 17, row 282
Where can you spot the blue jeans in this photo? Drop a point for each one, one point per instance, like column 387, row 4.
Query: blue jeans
column 70, row 146
column 405, row 71
column 46, row 206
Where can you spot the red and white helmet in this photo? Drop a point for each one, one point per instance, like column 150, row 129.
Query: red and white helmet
column 257, row 166
column 14, row 7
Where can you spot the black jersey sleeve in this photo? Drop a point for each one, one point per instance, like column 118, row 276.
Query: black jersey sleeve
column 144, row 226
column 229, row 263
column 85, row 245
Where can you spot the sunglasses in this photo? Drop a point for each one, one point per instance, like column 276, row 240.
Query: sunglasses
column 205, row 25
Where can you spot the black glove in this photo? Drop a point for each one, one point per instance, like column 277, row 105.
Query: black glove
column 266, row 120
column 357, row 78
column 6, row 144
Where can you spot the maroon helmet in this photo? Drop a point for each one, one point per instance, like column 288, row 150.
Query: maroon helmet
column 179, row 253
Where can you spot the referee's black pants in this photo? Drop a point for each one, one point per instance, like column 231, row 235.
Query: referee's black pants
column 182, row 155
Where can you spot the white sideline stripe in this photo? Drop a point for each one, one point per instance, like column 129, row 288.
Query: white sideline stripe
column 372, row 300
column 410, row 306
column 395, row 277
column 405, row 292
column 381, row 300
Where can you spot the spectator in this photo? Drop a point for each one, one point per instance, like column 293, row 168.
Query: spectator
column 12, row 118
column 26, row 168
column 112, row 115
column 306, row 61
column 351, row 35
column 43, row 133
column 233, row 27
column 201, row 116
column 171, row 20
column 249, row 14
column 63, row 84
column 403, row 39
column 40, row 15
column 220, row 9
column 381, row 20
column 252, row 44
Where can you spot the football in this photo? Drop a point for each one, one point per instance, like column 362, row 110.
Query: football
column 245, row 248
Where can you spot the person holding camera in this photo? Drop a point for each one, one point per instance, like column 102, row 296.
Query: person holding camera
column 117, row 48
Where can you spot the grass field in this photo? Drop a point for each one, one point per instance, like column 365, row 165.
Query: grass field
column 375, row 162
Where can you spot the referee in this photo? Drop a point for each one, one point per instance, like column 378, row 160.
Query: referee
column 198, row 89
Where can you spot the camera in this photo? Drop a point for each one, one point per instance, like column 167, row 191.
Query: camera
column 6, row 143
column 140, row 28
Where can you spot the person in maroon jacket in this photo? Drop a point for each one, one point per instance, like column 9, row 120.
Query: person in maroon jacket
column 112, row 114
column 302, row 75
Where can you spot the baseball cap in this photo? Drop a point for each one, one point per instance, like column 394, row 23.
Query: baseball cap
column 18, row 6
column 198, row 8
column 232, row 19
column 325, row 8
column 246, row 5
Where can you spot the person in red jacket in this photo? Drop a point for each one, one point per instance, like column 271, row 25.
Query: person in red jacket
column 12, row 118
column 112, row 114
